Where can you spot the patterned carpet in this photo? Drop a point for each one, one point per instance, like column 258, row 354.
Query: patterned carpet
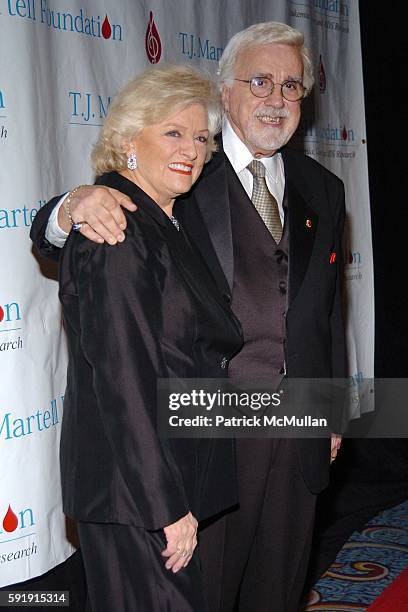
column 366, row 565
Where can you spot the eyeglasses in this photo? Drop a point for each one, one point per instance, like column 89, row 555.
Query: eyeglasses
column 262, row 87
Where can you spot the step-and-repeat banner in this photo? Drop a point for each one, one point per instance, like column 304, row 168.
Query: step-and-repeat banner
column 62, row 61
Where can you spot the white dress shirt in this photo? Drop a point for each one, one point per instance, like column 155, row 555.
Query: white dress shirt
column 53, row 233
column 239, row 157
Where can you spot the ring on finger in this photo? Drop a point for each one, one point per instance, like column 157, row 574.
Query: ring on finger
column 76, row 227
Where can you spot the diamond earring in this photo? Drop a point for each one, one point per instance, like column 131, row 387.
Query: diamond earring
column 132, row 161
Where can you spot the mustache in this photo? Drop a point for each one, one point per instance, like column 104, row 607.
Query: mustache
column 272, row 112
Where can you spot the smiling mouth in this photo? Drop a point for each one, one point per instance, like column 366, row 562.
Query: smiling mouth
column 181, row 168
column 268, row 119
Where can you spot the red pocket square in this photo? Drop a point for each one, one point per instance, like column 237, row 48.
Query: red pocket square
column 332, row 257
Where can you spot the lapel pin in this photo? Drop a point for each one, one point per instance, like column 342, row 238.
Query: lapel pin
column 332, row 257
column 308, row 223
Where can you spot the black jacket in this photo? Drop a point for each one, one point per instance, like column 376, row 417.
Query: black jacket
column 315, row 343
column 145, row 309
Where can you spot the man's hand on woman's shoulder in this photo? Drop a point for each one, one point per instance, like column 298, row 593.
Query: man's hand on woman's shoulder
column 99, row 208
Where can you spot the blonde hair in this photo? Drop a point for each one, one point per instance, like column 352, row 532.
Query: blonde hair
column 264, row 34
column 152, row 96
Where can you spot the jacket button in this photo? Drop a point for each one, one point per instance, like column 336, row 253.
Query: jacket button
column 224, row 363
column 282, row 287
column 227, row 298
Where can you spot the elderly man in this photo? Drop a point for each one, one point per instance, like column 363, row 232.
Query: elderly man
column 269, row 223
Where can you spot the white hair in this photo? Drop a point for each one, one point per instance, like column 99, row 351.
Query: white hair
column 264, row 34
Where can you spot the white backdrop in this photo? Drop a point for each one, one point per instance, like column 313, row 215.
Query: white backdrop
column 61, row 63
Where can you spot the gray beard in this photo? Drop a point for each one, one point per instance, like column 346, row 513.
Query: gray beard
column 271, row 144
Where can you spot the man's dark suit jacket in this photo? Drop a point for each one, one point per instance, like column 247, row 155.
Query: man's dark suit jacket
column 315, row 211
column 146, row 309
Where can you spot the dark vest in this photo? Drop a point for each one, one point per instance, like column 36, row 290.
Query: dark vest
column 259, row 295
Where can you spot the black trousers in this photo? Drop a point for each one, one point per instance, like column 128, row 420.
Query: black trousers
column 125, row 572
column 255, row 559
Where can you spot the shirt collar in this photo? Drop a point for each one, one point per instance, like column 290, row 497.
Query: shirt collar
column 240, row 156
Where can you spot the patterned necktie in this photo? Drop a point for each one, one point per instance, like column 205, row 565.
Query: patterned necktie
column 264, row 202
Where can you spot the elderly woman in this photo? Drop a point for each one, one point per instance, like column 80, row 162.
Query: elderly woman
column 146, row 309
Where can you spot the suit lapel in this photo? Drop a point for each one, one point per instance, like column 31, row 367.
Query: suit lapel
column 303, row 222
column 196, row 274
column 191, row 218
column 211, row 193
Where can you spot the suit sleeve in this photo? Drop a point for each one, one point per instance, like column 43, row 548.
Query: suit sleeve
column 337, row 322
column 39, row 227
column 120, row 309
column 337, row 316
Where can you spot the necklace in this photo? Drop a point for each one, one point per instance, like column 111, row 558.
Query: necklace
column 175, row 223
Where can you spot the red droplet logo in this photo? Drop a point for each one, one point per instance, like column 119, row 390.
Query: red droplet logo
column 106, row 28
column 152, row 42
column 344, row 134
column 322, row 76
column 351, row 258
column 10, row 521
column 1, row 314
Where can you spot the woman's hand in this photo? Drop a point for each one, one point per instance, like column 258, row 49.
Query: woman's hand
column 335, row 446
column 181, row 541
